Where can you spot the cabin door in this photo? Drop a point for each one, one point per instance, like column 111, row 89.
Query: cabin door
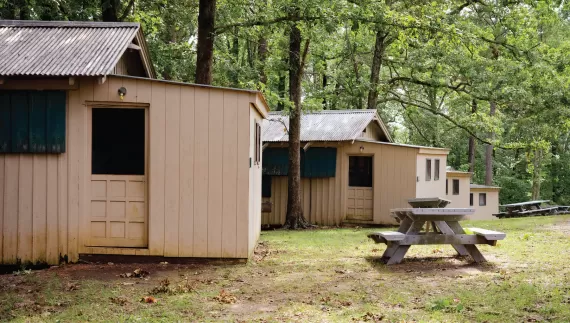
column 360, row 195
column 118, row 210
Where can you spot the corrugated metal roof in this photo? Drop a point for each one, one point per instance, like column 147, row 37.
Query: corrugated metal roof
column 326, row 125
column 58, row 48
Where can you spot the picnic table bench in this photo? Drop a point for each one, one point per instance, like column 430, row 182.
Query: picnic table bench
column 530, row 208
column 447, row 231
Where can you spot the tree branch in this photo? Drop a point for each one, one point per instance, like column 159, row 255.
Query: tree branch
column 288, row 18
column 127, row 10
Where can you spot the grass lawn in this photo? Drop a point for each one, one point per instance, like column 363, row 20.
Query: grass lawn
column 328, row 275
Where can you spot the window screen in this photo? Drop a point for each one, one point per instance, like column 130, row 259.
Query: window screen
column 360, row 171
column 482, row 199
column 436, row 171
column 257, row 137
column 470, row 199
column 428, row 169
column 446, row 187
column 455, row 187
column 118, row 144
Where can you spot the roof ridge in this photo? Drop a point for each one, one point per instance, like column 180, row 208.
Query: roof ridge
column 67, row 24
column 330, row 111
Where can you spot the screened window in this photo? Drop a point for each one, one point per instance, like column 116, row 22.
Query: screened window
column 455, row 187
column 482, row 199
column 360, row 171
column 118, row 144
column 470, row 199
column 257, row 143
column 428, row 170
column 446, row 187
column 436, row 171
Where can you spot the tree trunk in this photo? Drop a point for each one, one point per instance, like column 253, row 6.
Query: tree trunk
column 234, row 50
column 262, row 52
column 379, row 48
column 281, row 90
column 109, row 10
column 472, row 142
column 325, row 83
column 205, row 46
column 489, row 151
column 295, row 218
column 536, row 173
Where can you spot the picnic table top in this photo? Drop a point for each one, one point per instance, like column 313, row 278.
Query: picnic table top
column 526, row 203
column 436, row 211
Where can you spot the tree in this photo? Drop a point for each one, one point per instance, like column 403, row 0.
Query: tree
column 205, row 47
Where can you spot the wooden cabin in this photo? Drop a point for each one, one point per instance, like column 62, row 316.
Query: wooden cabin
column 463, row 194
column 351, row 170
column 99, row 157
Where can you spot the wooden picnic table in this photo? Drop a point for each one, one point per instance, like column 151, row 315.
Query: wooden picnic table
column 528, row 208
column 428, row 202
column 448, row 231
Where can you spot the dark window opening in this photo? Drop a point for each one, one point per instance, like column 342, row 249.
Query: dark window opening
column 360, row 171
column 470, row 199
column 428, row 170
column 266, row 186
column 118, row 146
column 446, row 187
column 482, row 199
column 436, row 171
column 455, row 187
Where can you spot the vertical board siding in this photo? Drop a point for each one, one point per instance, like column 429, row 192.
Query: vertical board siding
column 202, row 102
column 25, row 216
column 11, row 192
column 39, row 207
column 2, row 185
column 172, row 172
column 215, row 179
column 243, row 164
column 229, row 173
column 187, row 125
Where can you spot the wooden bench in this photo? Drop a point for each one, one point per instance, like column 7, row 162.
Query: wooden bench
column 386, row 236
column 489, row 235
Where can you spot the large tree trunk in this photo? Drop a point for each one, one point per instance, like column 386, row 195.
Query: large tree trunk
column 472, row 142
column 489, row 151
column 379, row 49
column 262, row 52
column 295, row 218
column 536, row 173
column 234, row 50
column 109, row 10
column 205, row 47
column 281, row 90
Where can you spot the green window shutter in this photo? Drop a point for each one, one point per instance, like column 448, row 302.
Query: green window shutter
column 56, row 103
column 319, row 162
column 37, row 122
column 32, row 121
column 5, row 123
column 20, row 122
column 275, row 161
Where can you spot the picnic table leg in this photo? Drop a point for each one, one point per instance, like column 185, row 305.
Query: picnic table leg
column 471, row 248
column 404, row 226
column 445, row 229
column 400, row 251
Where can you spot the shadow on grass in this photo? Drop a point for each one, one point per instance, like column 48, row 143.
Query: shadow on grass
column 432, row 264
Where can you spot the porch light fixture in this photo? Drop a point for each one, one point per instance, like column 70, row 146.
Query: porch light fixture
column 122, row 92
column 361, row 148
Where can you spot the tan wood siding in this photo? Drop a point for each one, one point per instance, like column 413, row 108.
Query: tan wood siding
column 199, row 177
column 325, row 199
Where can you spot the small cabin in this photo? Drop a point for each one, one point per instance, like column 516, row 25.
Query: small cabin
column 351, row 171
column 462, row 194
column 97, row 156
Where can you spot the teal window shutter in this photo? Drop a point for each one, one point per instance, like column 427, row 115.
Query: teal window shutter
column 32, row 121
column 275, row 161
column 319, row 162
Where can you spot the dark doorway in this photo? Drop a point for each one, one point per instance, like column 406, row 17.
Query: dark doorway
column 118, row 141
column 360, row 171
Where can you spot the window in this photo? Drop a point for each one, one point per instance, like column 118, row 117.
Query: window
column 360, row 171
column 32, row 121
column 482, row 199
column 446, row 187
column 118, row 144
column 428, row 170
column 266, row 186
column 455, row 187
column 436, row 171
column 257, row 143
column 470, row 199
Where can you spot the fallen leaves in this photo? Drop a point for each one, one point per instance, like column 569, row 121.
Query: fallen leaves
column 137, row 273
column 71, row 286
column 119, row 300
column 369, row 317
column 148, row 300
column 164, row 286
column 225, row 297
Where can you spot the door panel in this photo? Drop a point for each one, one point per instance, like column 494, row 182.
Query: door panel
column 118, row 215
column 359, row 203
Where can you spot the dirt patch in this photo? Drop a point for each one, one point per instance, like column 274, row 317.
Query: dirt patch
column 563, row 227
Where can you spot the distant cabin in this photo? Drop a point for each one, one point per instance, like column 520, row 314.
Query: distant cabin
column 463, row 194
column 97, row 156
column 351, row 171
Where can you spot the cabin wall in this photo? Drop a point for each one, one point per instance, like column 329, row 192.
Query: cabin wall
column 198, row 167
column 433, row 187
column 460, row 200
column 254, row 219
column 372, row 132
column 485, row 212
column 324, row 199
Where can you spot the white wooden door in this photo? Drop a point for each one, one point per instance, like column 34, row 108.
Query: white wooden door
column 359, row 203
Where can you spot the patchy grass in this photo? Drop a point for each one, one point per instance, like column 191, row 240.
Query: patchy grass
column 326, row 275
